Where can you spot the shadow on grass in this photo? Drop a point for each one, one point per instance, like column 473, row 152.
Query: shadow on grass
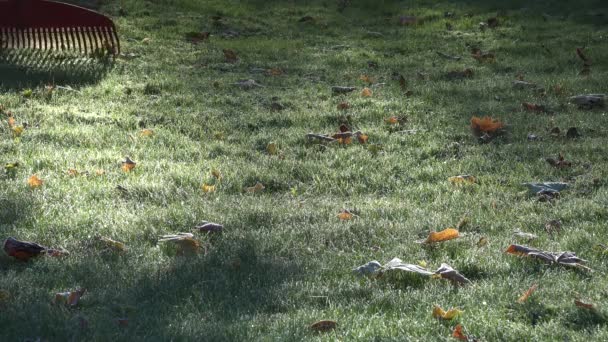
column 30, row 68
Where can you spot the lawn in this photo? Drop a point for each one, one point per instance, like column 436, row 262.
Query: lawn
column 284, row 259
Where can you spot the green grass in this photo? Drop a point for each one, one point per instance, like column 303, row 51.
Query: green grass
column 284, row 259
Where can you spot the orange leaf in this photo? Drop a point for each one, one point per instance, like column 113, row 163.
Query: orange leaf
column 362, row 138
column 458, row 334
column 345, row 141
column 324, row 326
column 11, row 122
column 527, row 294
column 345, row 215
column 392, row 120
column 444, row 235
column 128, row 164
column 146, row 132
column 366, row 92
column 34, row 181
column 366, row 79
column 485, row 125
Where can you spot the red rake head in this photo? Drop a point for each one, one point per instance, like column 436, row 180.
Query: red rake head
column 48, row 25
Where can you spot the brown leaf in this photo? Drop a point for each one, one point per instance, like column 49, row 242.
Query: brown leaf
column 559, row 163
column 367, row 79
column 362, row 138
column 209, row 227
column 324, row 326
column 366, row 92
column 343, row 106
column 447, row 272
column 230, row 56
column 483, row 56
column 128, row 164
column 527, row 294
column 572, row 133
column 581, row 55
column 258, row 187
column 345, row 215
column 197, row 37
column 560, row 258
column 532, row 107
column 459, row 74
column 70, row 298
column 459, row 334
column 584, row 305
column 34, row 182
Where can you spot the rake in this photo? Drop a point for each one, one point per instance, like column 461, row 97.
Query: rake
column 55, row 26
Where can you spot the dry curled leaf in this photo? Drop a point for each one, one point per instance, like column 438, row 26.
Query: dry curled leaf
column 533, row 107
column 271, row 148
column 444, row 235
column 343, row 106
column 69, row 298
column 113, row 245
column 527, row 294
column 366, row 92
column 447, row 272
column 369, row 268
column 345, row 215
column 438, row 312
column 323, row 326
column 217, row 174
column 274, row 72
column 209, row 227
column 362, row 138
column 24, row 250
column 458, row 333
column 34, row 181
column 560, row 258
column 146, row 132
column 128, row 164
column 483, row 56
column 559, row 163
column 208, row 188
column 485, row 125
column 230, row 56
column 397, row 264
column 185, row 242
column 197, row 37
column 463, row 179
column 584, row 305
column 258, row 187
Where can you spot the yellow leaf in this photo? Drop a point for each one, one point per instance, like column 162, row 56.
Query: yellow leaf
column 208, row 188
column 113, row 244
column 258, row 187
column 128, row 164
column 438, row 312
column 444, row 235
column 34, row 182
column 462, row 179
column 366, row 92
column 271, row 148
column 527, row 294
column 17, row 130
column 146, row 132
column 345, row 215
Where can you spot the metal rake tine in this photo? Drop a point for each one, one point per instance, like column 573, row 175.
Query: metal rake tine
column 95, row 37
column 88, row 30
column 107, row 40
column 44, row 38
column 57, row 35
column 73, row 40
column 81, row 46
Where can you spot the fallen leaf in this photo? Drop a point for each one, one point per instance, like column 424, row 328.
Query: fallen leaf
column 324, row 326
column 343, row 106
column 128, row 164
column 345, row 141
column 394, row 120
column 4, row 296
column 274, row 72
column 559, row 162
column 369, row 268
column 22, row 250
column 397, row 264
column 438, row 312
column 345, row 215
column 208, row 188
column 589, row 101
column 342, row 90
column 406, row 20
column 248, row 84
column 366, row 92
column 258, row 187
column 216, row 173
column 482, row 241
column 197, row 37
column 447, row 272
column 271, row 148
column 366, row 79
column 584, row 305
column 536, row 188
column 532, row 107
column 11, row 122
column 362, row 138
column 34, row 182
column 527, row 294
column 113, row 245
column 459, row 74
column 485, row 125
column 230, row 56
column 492, row 22
column 561, row 258
column 444, row 235
column 572, row 133
column 581, row 55
column 463, row 179
column 459, row 334
column 483, row 56
column 73, row 172
column 69, row 298
column 209, row 227
column 553, row 226
column 185, row 242
column 146, row 132
column 18, row 130
column 100, row 172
